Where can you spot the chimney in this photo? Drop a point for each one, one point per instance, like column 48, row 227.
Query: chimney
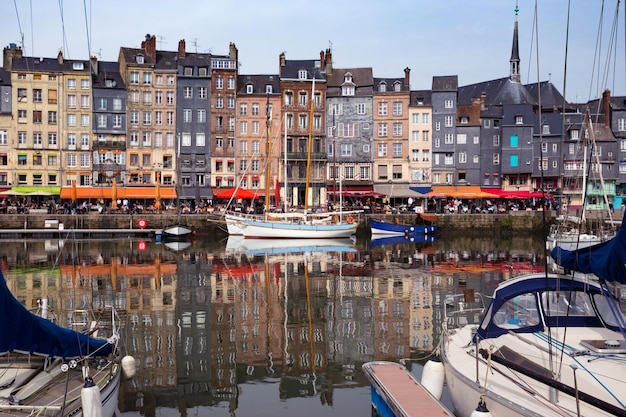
column 60, row 57
column 181, row 48
column 10, row 52
column 329, row 62
column 93, row 63
column 149, row 45
column 407, row 77
column 281, row 62
column 322, row 61
column 233, row 52
column 606, row 107
column 483, row 96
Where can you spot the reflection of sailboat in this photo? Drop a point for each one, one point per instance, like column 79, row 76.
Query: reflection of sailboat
column 269, row 247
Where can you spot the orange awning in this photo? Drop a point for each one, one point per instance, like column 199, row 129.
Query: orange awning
column 91, row 193
column 459, row 191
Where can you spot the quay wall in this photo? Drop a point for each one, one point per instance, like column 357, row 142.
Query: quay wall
column 521, row 221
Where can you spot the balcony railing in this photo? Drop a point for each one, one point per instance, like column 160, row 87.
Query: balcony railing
column 109, row 144
column 317, row 156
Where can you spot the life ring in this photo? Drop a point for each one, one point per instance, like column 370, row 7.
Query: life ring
column 350, row 219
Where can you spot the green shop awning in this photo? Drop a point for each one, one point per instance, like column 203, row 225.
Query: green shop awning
column 37, row 189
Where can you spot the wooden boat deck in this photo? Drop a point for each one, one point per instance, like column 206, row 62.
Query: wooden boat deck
column 401, row 392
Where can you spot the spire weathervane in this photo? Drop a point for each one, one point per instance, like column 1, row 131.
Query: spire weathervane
column 516, row 9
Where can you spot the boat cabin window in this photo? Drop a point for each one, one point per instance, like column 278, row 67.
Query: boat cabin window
column 604, row 310
column 564, row 303
column 517, row 313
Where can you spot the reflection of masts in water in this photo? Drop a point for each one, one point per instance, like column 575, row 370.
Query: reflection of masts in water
column 310, row 318
column 269, row 315
column 268, row 164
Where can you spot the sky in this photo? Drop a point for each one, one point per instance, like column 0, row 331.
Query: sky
column 468, row 38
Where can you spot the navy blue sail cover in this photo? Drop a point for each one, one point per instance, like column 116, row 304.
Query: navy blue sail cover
column 606, row 260
column 21, row 331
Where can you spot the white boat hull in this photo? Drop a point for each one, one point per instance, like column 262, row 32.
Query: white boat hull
column 280, row 230
column 177, row 231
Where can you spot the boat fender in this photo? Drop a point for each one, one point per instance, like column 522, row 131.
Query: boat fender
column 90, row 398
column 433, row 377
column 129, row 367
column 481, row 410
column 406, row 232
column 350, row 220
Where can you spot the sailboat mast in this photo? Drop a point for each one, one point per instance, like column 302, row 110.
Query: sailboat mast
column 268, row 164
column 309, row 148
column 285, row 166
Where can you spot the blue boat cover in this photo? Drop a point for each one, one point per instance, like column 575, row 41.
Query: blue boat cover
column 22, row 331
column 607, row 260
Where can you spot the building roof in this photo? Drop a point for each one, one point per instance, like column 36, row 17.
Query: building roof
column 312, row 66
column 420, row 98
column 362, row 79
column 108, row 71
column 445, row 83
column 258, row 82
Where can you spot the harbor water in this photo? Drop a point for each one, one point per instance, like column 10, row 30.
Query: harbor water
column 223, row 327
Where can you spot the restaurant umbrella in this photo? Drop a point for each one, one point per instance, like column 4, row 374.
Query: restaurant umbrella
column 157, row 193
column 236, row 193
column 74, row 193
column 114, row 193
column 277, row 193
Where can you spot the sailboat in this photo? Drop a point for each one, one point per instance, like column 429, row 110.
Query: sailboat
column 570, row 231
column 301, row 225
column 176, row 231
column 48, row 370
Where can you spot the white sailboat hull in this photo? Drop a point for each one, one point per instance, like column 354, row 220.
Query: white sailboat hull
column 281, row 230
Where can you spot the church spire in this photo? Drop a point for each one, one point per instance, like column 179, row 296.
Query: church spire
column 515, row 75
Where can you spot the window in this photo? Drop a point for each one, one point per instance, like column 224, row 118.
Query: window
column 449, row 121
column 486, row 123
column 188, row 92
column 514, row 141
column 186, row 115
column 546, row 129
column 243, row 127
column 169, row 118
column 147, row 118
column 365, row 172
column 621, row 126
column 219, row 102
column 243, row 109
column 71, row 160
column 147, row 97
column 397, row 108
column 134, row 96
column 382, row 172
column 21, row 138
column 449, row 104
column 255, row 128
column 397, row 172
column 169, row 99
column 134, row 77
column 170, row 80
column 360, row 108
column 249, row 89
column 202, row 93
column 302, row 98
column 147, row 139
column 230, row 83
column 37, row 96
column 134, row 117
column 496, row 159
column 519, row 120
column 514, row 160
column 336, row 109
column 302, row 74
column 382, row 150
column 544, row 147
column 496, row 140
column 382, row 129
column 71, row 119
column 37, row 139
column 52, row 139
column 71, row 84
column 255, row 109
column 84, row 120
column 346, row 149
column 200, row 139
column 397, row 150
column 302, row 121
column 219, row 83
column 201, row 113
column 448, row 159
column 397, row 129
column 158, row 118
column 382, row 108
column 449, row 138
column 102, row 120
column 347, row 129
column 71, row 100
column 37, row 116
column 3, row 137
column 425, row 155
column 461, row 138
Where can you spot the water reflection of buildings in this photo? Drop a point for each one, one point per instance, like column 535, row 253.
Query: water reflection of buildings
column 200, row 325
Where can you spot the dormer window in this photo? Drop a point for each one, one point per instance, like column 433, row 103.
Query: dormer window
column 268, row 89
column 519, row 120
column 546, row 129
column 139, row 59
column 382, row 87
column 249, row 89
column 78, row 66
column 302, row 74
column 397, row 86
column 347, row 90
column 347, row 78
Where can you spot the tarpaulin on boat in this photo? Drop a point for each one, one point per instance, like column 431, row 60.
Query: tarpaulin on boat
column 22, row 331
column 607, row 260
